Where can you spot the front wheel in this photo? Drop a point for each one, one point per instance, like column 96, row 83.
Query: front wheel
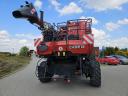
column 43, row 74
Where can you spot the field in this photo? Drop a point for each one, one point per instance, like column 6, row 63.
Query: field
column 9, row 64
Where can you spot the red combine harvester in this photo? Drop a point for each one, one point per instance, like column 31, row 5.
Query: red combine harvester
column 67, row 49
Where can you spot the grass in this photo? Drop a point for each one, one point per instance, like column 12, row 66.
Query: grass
column 9, row 64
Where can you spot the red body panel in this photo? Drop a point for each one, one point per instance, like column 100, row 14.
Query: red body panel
column 73, row 46
column 83, row 45
column 84, row 48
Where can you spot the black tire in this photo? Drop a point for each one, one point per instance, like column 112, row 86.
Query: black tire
column 43, row 74
column 95, row 78
column 122, row 63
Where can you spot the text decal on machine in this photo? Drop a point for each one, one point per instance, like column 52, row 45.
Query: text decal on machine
column 76, row 46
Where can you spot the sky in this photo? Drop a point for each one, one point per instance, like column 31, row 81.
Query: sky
column 109, row 26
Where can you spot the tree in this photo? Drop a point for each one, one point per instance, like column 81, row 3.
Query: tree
column 116, row 49
column 24, row 51
column 124, row 49
column 109, row 51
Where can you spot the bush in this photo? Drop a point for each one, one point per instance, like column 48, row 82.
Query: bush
column 5, row 53
column 24, row 51
column 13, row 54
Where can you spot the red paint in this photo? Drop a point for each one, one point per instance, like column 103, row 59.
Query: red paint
column 108, row 60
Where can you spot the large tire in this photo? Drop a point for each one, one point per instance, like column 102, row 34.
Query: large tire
column 43, row 74
column 95, row 75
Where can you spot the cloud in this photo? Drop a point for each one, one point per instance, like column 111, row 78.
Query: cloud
column 3, row 34
column 56, row 4
column 94, row 20
column 111, row 26
column 38, row 4
column 123, row 22
column 4, row 38
column 101, row 38
column 26, row 36
column 23, row 41
column 102, row 5
column 121, row 42
column 9, row 42
column 71, row 8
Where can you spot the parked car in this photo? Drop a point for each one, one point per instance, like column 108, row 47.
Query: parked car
column 123, row 60
column 108, row 60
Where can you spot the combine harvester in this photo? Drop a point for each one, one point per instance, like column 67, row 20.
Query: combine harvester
column 67, row 48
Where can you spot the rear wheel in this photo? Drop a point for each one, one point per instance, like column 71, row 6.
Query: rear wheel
column 43, row 74
column 95, row 72
column 122, row 63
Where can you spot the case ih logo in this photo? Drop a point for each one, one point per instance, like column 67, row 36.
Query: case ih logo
column 88, row 39
column 60, row 48
column 76, row 46
column 33, row 11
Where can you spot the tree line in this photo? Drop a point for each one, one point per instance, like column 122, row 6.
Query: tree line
column 114, row 51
